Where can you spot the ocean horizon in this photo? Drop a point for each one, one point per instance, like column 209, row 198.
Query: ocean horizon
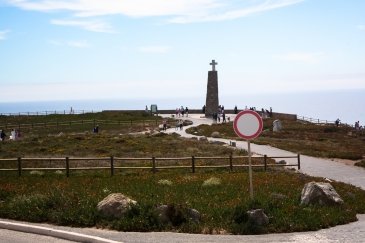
column 348, row 106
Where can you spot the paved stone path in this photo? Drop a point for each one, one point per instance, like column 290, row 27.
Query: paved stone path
column 309, row 165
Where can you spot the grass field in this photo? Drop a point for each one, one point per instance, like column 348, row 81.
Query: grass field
column 326, row 141
column 52, row 197
column 72, row 201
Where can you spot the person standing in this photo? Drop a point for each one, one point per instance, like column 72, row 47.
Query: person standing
column 2, row 135
column 337, row 122
column 164, row 125
column 12, row 134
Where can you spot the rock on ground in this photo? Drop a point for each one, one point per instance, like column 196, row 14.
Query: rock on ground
column 115, row 205
column 258, row 217
column 320, row 193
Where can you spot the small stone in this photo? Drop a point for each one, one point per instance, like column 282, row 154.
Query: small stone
column 258, row 217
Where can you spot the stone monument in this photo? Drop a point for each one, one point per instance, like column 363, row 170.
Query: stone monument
column 212, row 102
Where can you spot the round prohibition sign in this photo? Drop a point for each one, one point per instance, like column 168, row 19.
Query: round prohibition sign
column 248, row 124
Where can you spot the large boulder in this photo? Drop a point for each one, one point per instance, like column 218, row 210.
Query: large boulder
column 203, row 139
column 115, row 205
column 258, row 217
column 187, row 123
column 277, row 126
column 216, row 135
column 319, row 193
column 176, row 215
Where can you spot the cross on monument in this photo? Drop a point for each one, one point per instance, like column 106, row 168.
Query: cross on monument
column 213, row 63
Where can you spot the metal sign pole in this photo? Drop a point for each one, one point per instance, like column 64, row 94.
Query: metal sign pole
column 250, row 168
column 248, row 125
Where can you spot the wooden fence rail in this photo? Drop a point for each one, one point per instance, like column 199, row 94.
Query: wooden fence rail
column 319, row 121
column 46, row 113
column 81, row 122
column 152, row 160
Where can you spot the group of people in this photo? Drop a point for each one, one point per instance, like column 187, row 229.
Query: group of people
column 14, row 135
column 265, row 113
column 182, row 111
column 357, row 124
column 220, row 114
column 179, row 124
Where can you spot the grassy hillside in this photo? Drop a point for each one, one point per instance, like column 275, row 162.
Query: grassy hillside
column 51, row 197
column 302, row 137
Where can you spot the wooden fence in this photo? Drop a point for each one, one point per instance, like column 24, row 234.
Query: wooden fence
column 152, row 161
column 94, row 122
column 319, row 121
column 46, row 113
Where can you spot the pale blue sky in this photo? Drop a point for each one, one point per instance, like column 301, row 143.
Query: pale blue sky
column 96, row 49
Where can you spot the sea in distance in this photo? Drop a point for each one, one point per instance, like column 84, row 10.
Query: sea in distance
column 348, row 106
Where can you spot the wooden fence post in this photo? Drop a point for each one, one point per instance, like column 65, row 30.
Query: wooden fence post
column 298, row 161
column 230, row 162
column 193, row 164
column 265, row 162
column 153, row 165
column 19, row 166
column 67, row 167
column 111, row 165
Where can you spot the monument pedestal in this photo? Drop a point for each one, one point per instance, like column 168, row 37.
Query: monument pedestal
column 212, row 102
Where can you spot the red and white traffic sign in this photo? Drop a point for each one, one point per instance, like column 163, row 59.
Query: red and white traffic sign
column 248, row 124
